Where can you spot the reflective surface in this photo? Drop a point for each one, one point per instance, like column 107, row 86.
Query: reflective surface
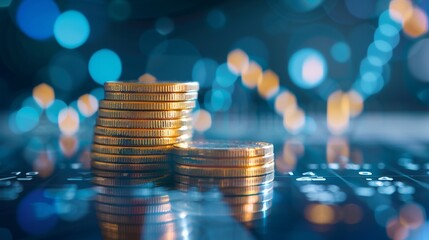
column 337, row 188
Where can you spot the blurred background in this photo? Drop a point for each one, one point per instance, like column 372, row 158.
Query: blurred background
column 306, row 64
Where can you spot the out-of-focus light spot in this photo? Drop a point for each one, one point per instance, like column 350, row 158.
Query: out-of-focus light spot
column 36, row 18
column 224, row 77
column 294, row 120
column 365, row 9
column 216, row 19
column 379, row 53
column 87, row 105
column 367, row 66
column 356, row 103
column 54, row 109
column 68, row 70
column 269, row 84
column 284, row 102
column 202, row 120
column 44, row 95
column 387, row 33
column 412, row 215
column 36, row 214
column 238, row 61
column 418, row 56
column 44, row 164
column 384, row 213
column 68, row 145
column 320, row 214
column 417, row 24
column 252, row 75
column 340, row 51
column 337, row 151
column 338, row 113
column 164, row 26
column 307, row 68
column 352, row 214
column 5, row 3
column 68, row 121
column 395, row 230
column 119, row 10
column 147, row 78
column 218, row 100
column 371, row 83
column 292, row 149
column 26, row 119
column 31, row 102
column 204, row 71
column 386, row 18
column 401, row 10
column 71, row 29
column 105, row 65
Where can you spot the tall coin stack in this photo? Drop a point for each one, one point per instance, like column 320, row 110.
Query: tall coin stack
column 243, row 172
column 137, row 125
column 136, row 128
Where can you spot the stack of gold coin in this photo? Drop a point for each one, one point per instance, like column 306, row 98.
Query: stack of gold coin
column 136, row 127
column 243, row 172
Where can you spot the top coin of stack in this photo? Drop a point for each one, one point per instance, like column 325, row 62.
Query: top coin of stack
column 137, row 125
column 242, row 171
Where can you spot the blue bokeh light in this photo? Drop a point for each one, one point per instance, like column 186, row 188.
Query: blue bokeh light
column 204, row 72
column 340, row 51
column 387, row 33
column 216, row 19
column 105, row 65
column 224, row 77
column 371, row 83
column 31, row 102
column 26, row 119
column 164, row 26
column 386, row 18
column 217, row 100
column 36, row 18
column 379, row 53
column 98, row 93
column 71, row 29
column 307, row 68
column 54, row 109
column 36, row 213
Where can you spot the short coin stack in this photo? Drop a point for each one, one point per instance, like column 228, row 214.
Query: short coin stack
column 242, row 171
column 136, row 127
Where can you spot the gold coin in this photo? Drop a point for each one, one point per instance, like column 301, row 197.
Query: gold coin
column 224, row 172
column 126, row 132
column 151, row 97
column 159, row 87
column 223, row 149
column 214, row 209
column 109, row 158
column 121, row 141
column 129, row 167
column 150, row 191
column 132, row 200
column 228, row 191
column 116, row 114
column 118, row 105
column 113, row 182
column 224, row 182
column 257, row 198
column 153, row 150
column 135, row 209
column 143, row 124
column 225, row 162
column 137, row 219
column 109, row 174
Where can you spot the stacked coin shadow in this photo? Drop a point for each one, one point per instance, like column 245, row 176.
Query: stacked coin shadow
column 136, row 128
column 241, row 173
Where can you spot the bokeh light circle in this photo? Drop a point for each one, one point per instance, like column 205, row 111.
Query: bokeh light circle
column 204, row 72
column 36, row 18
column 164, row 26
column 340, row 51
column 307, row 68
column 54, row 110
column 27, row 118
column 224, row 77
column 71, row 29
column 418, row 57
column 105, row 65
